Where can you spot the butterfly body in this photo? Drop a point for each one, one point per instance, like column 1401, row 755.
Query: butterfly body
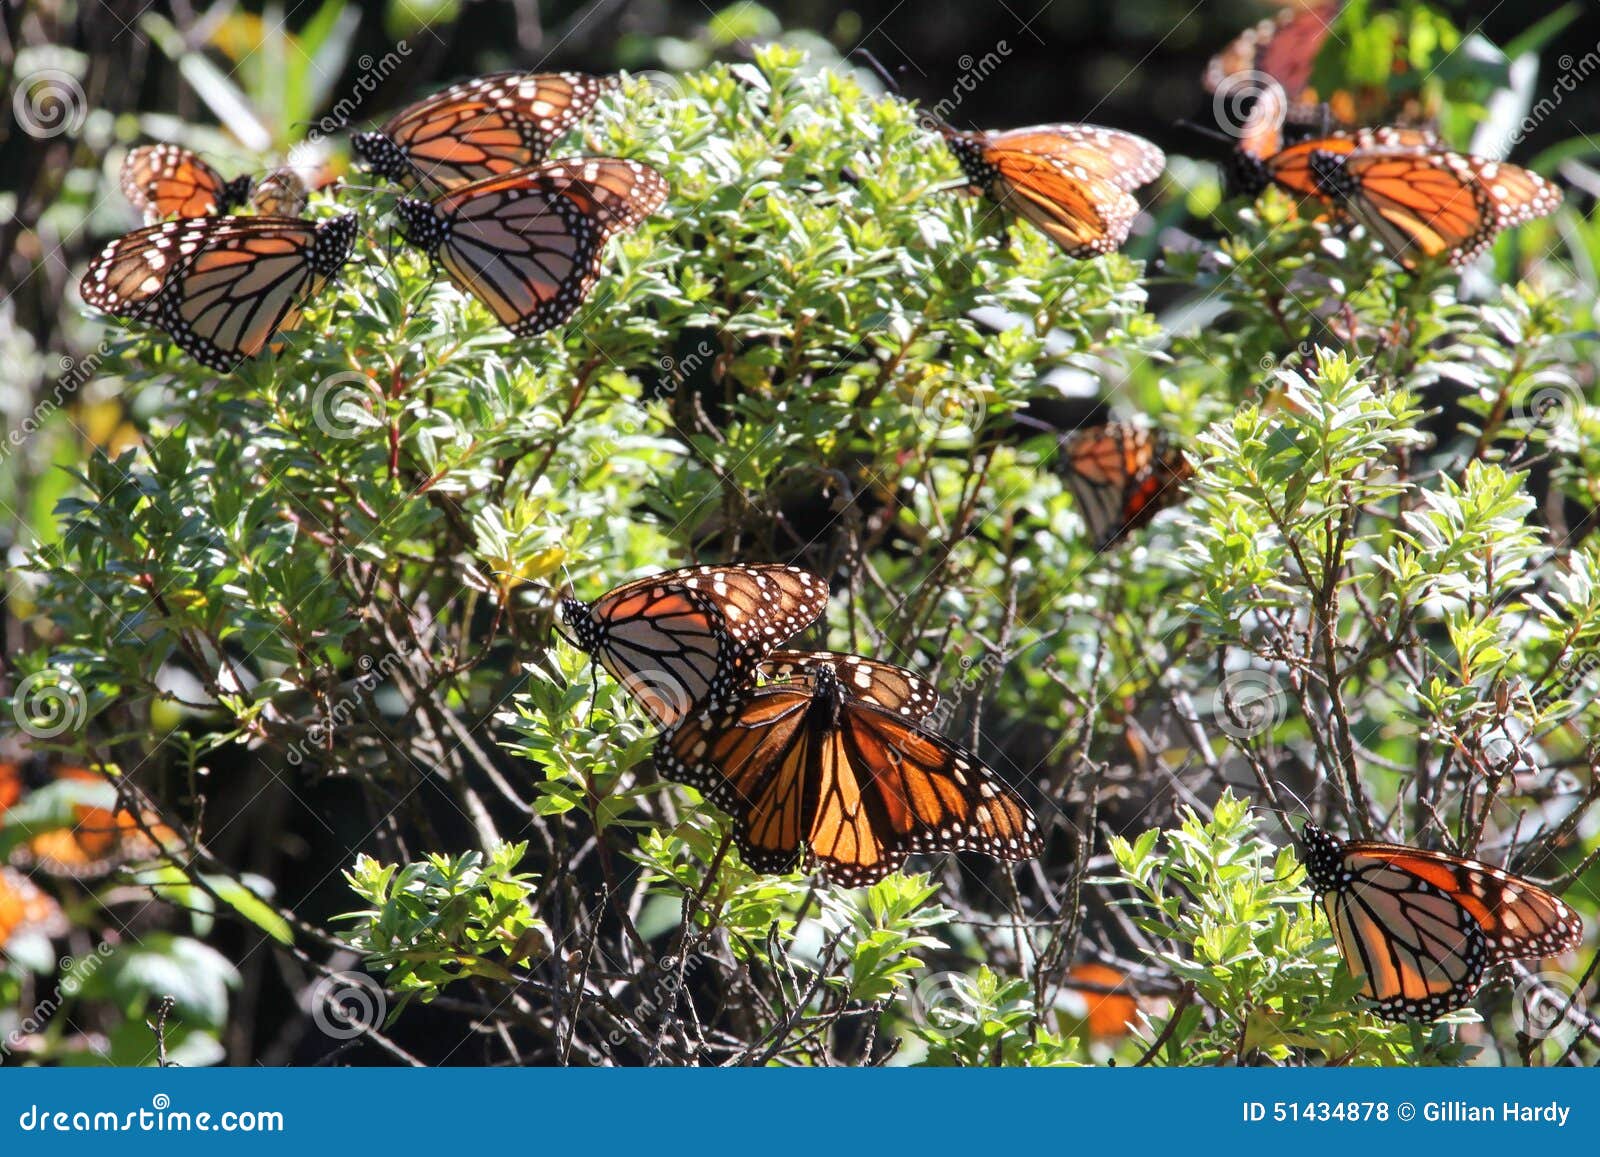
column 170, row 181
column 484, row 127
column 528, row 244
column 813, row 775
column 221, row 287
column 1424, row 927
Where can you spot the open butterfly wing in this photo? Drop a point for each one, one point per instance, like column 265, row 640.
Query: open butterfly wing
column 883, row 684
column 1423, row 927
column 491, row 125
column 809, row 773
column 686, row 636
column 1086, row 217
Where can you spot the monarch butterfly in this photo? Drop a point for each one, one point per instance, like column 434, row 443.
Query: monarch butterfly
column 1109, row 1007
column 1073, row 182
column 1261, row 158
column 676, row 639
column 483, row 127
column 100, row 838
column 812, row 775
column 1422, row 205
column 528, row 244
column 221, row 287
column 1284, row 47
column 882, row 684
column 1122, row 476
column 1424, row 927
column 170, row 181
column 24, row 909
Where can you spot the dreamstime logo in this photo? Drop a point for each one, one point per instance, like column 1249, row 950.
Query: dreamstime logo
column 74, row 973
column 661, row 694
column 945, row 408
column 1249, row 703
column 346, row 1004
column 1574, row 72
column 1554, row 405
column 342, row 404
column 664, row 87
column 322, row 729
column 942, row 1002
column 373, row 72
column 1549, row 1006
column 48, row 703
column 49, row 102
column 974, row 71
column 1244, row 99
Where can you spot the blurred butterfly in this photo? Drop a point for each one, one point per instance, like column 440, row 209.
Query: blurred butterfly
column 528, row 244
column 1122, row 476
column 1261, row 157
column 480, row 128
column 1109, row 1007
column 12, row 787
column 1424, row 927
column 1423, row 205
column 1283, row 47
column 677, row 639
column 170, row 181
column 1073, row 182
column 100, row 840
column 221, row 287
column 812, row 775
column 26, row 910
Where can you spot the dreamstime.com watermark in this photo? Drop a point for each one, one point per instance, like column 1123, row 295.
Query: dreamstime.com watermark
column 73, row 975
column 1574, row 72
column 373, row 72
column 322, row 729
column 159, row 1117
column 974, row 71
column 344, row 1005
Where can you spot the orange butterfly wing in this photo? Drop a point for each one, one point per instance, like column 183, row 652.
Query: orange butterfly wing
column 528, row 244
column 490, row 125
column 168, row 181
column 1122, row 476
column 813, row 775
column 24, row 908
column 222, row 288
column 881, row 684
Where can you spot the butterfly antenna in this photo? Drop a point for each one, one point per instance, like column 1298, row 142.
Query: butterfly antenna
column 1207, row 131
column 877, row 66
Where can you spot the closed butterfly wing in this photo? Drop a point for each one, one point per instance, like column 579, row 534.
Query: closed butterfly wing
column 1426, row 205
column 528, row 244
column 1073, row 182
column 222, row 288
column 814, row 776
column 881, row 684
column 484, row 127
column 1282, row 47
column 679, row 639
column 168, row 181
column 1424, row 927
column 1122, row 476
column 281, row 193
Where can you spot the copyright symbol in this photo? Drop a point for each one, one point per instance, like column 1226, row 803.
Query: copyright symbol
column 1407, row 1111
